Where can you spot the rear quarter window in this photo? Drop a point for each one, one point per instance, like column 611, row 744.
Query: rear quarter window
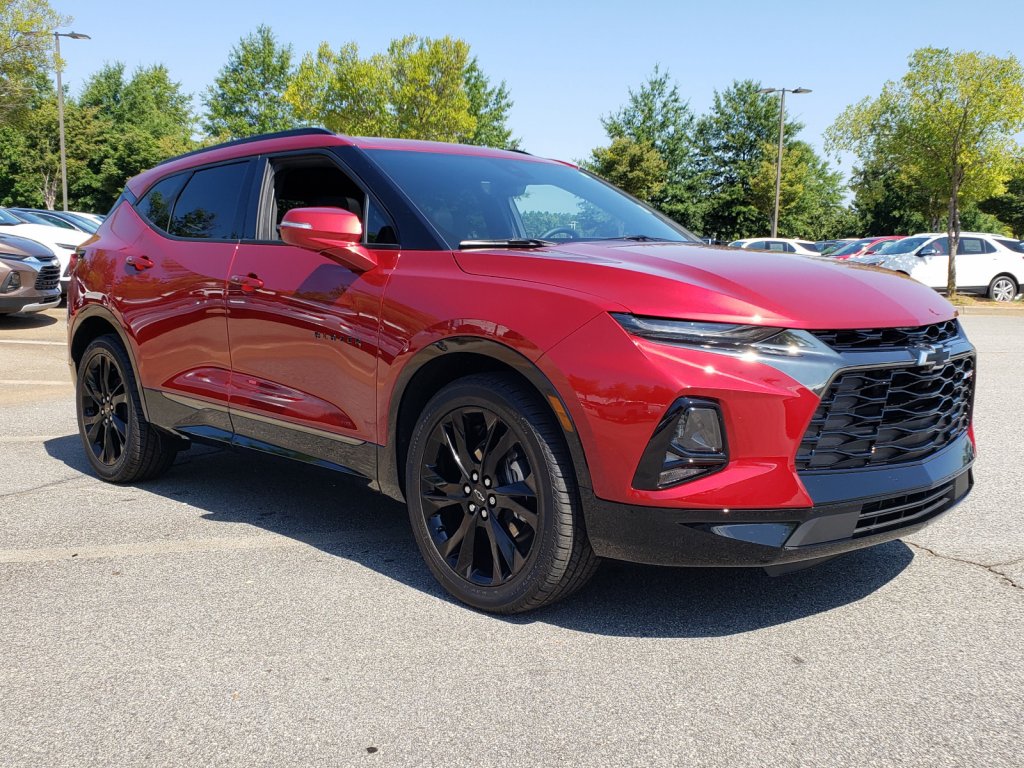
column 156, row 205
column 208, row 206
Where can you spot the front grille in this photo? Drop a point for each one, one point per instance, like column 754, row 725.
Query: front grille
column 888, row 338
column 881, row 416
column 48, row 277
column 898, row 511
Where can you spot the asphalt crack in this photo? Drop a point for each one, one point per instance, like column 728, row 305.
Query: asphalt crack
column 36, row 489
column 990, row 568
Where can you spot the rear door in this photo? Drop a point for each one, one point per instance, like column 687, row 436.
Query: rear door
column 303, row 327
column 170, row 291
column 976, row 263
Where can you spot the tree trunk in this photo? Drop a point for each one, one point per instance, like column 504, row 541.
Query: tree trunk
column 953, row 230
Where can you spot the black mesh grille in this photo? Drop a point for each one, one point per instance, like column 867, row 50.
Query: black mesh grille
column 48, row 277
column 888, row 338
column 888, row 416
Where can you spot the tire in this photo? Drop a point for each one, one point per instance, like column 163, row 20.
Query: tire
column 1003, row 288
column 521, row 514
column 121, row 445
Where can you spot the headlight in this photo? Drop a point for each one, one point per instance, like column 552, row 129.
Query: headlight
column 694, row 333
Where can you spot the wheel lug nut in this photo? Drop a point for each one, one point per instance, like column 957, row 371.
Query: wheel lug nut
column 466, row 490
column 487, row 482
column 472, row 507
column 492, row 501
column 483, row 513
column 476, row 476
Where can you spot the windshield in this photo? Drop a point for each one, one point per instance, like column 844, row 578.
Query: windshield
column 8, row 218
column 477, row 198
column 906, row 245
column 851, row 248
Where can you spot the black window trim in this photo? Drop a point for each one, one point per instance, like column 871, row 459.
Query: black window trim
column 255, row 207
column 239, row 211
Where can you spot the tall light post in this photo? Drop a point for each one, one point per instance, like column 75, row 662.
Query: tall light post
column 778, row 163
column 60, row 108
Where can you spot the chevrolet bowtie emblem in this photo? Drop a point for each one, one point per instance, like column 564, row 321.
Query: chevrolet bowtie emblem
column 928, row 355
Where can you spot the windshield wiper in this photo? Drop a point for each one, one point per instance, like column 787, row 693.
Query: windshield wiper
column 522, row 242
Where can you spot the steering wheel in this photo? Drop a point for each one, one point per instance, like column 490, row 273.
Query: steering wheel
column 568, row 232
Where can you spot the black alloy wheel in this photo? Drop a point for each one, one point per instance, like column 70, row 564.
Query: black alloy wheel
column 121, row 445
column 480, row 496
column 104, row 407
column 492, row 497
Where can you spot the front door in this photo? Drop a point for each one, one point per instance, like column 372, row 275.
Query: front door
column 303, row 329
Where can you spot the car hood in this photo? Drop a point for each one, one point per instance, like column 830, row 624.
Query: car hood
column 717, row 284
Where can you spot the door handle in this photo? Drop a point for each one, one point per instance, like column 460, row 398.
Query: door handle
column 248, row 283
column 140, row 262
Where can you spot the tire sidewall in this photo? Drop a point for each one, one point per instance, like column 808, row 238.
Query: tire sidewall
column 542, row 461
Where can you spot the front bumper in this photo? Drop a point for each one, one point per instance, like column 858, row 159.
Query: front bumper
column 853, row 509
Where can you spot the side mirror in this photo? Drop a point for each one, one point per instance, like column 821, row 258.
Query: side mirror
column 929, row 251
column 333, row 232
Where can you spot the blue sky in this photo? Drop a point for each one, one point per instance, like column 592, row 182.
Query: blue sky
column 567, row 64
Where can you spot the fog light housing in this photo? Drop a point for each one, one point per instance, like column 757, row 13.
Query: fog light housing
column 689, row 442
column 12, row 283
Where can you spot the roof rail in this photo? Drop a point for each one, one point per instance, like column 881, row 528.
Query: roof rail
column 249, row 139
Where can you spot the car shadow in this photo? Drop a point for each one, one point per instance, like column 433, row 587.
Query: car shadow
column 27, row 322
column 340, row 516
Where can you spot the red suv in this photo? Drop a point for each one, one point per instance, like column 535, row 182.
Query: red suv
column 547, row 371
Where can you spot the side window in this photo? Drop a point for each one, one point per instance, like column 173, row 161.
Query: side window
column 207, row 207
column 970, row 245
column 315, row 182
column 788, row 248
column 941, row 246
column 760, row 245
column 156, row 205
column 1013, row 245
column 379, row 229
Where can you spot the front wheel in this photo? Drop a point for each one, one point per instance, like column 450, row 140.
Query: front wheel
column 121, row 445
column 492, row 497
column 1002, row 288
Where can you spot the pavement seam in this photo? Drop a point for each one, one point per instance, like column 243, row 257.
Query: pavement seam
column 990, row 568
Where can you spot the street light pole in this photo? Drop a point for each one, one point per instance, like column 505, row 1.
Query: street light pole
column 778, row 162
column 60, row 108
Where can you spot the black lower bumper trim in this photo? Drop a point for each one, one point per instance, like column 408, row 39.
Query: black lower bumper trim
column 764, row 537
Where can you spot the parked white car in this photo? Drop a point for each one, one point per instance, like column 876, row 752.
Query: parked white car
column 779, row 244
column 61, row 241
column 986, row 264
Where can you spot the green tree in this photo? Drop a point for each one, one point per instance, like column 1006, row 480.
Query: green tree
column 810, row 195
column 1009, row 206
column 247, row 96
column 26, row 50
column 948, row 125
column 489, row 106
column 419, row 88
column 655, row 116
column 141, row 121
column 735, row 155
column 633, row 166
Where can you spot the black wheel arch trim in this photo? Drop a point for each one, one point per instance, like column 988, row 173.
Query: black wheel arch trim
column 101, row 312
column 388, row 470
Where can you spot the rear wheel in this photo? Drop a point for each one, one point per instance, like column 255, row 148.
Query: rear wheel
column 1003, row 288
column 492, row 497
column 121, row 445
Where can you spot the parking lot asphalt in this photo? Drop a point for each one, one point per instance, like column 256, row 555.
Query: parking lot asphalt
column 243, row 611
